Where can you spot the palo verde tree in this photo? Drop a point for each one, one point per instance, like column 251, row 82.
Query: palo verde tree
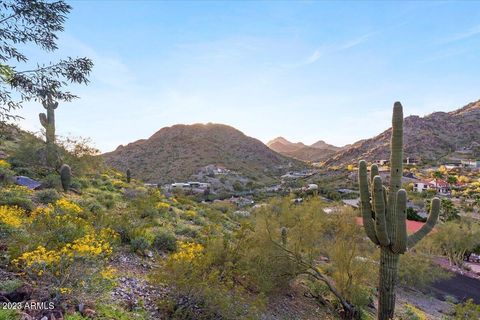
column 384, row 216
column 35, row 22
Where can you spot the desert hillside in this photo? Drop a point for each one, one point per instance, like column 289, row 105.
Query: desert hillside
column 426, row 138
column 178, row 152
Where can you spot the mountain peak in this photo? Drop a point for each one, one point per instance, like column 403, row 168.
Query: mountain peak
column 178, row 152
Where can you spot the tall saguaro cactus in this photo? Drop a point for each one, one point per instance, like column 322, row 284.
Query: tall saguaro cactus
column 48, row 122
column 384, row 216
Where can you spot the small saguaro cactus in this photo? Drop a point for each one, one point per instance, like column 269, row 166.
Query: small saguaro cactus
column 384, row 216
column 48, row 122
column 129, row 175
column 283, row 233
column 66, row 176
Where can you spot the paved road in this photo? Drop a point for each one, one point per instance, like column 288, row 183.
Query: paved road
column 458, row 286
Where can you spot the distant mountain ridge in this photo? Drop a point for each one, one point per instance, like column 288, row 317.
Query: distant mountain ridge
column 319, row 151
column 427, row 138
column 176, row 153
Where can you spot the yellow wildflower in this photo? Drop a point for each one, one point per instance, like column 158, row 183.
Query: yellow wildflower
column 162, row 205
column 109, row 273
column 4, row 164
column 65, row 290
column 68, row 206
column 11, row 216
column 188, row 251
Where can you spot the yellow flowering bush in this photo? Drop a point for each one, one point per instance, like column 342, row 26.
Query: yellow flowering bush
column 4, row 164
column 11, row 216
column 41, row 211
column 188, row 251
column 68, row 206
column 40, row 257
column 88, row 246
column 109, row 273
column 119, row 184
column 162, row 205
column 64, row 268
column 190, row 213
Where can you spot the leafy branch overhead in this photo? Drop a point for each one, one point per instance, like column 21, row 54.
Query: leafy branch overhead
column 34, row 22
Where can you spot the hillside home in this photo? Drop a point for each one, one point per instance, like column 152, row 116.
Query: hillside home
column 453, row 165
column 440, row 186
column 411, row 161
column 382, row 162
column 190, row 186
column 471, row 163
column 241, row 201
column 298, row 174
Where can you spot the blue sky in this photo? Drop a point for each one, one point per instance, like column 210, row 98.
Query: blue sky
column 302, row 70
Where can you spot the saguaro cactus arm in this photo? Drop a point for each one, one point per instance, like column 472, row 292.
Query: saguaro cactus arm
column 379, row 208
column 43, row 120
column 365, row 205
column 400, row 244
column 373, row 172
column 428, row 226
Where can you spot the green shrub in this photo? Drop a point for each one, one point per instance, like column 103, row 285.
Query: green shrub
column 16, row 196
column 412, row 215
column 47, row 196
column 419, row 271
column 52, row 181
column 8, row 315
column 467, row 311
column 149, row 212
column 187, row 231
column 91, row 205
column 139, row 244
column 165, row 241
column 107, row 312
column 18, row 201
column 76, row 184
column 10, row 285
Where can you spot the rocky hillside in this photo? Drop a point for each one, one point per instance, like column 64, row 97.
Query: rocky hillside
column 427, row 138
column 319, row 151
column 178, row 152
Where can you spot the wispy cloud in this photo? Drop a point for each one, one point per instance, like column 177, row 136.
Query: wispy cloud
column 472, row 32
column 332, row 48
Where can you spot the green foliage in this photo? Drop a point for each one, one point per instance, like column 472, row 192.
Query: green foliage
column 455, row 240
column 27, row 153
column 448, row 212
column 16, row 196
column 207, row 281
column 46, row 196
column 10, row 285
column 9, row 315
column 467, row 311
column 165, row 241
column 418, row 270
column 110, row 311
column 52, row 181
column 413, row 216
column 139, row 244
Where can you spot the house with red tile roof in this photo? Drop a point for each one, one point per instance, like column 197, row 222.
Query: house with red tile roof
column 439, row 185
